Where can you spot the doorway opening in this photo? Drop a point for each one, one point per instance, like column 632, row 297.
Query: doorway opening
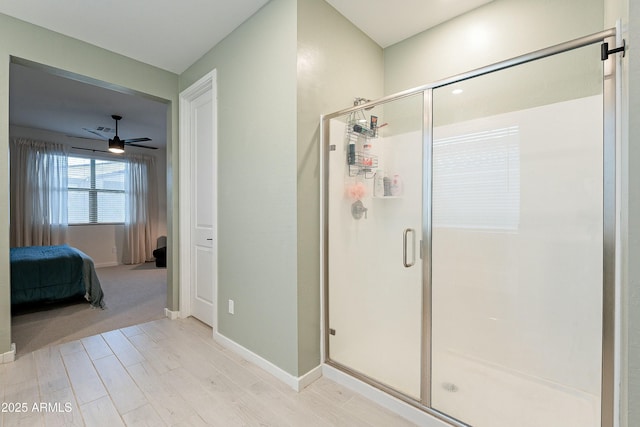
column 54, row 106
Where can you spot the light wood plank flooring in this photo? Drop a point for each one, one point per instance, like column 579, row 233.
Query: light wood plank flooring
column 167, row 373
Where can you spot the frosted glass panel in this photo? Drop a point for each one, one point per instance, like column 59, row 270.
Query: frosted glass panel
column 375, row 216
column 517, row 246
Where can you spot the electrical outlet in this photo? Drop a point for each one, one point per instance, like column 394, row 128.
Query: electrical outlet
column 231, row 307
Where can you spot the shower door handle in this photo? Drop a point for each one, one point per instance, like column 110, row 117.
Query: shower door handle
column 405, row 239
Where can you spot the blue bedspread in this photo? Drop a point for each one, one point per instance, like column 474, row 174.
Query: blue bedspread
column 50, row 273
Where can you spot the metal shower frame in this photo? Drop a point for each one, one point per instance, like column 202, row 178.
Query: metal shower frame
column 608, row 392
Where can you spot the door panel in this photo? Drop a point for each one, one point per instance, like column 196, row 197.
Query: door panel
column 517, row 244
column 375, row 286
column 203, row 268
column 203, row 218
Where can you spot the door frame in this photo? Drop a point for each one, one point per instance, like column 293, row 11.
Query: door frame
column 185, row 150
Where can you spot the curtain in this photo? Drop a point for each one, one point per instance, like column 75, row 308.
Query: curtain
column 39, row 180
column 141, row 209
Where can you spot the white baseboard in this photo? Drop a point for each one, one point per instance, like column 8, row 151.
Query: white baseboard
column 173, row 315
column 296, row 383
column 9, row 356
column 308, row 378
column 383, row 399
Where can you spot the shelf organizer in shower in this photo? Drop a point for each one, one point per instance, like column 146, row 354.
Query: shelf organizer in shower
column 363, row 164
column 358, row 132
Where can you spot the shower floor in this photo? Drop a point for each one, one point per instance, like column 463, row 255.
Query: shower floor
column 488, row 396
column 481, row 394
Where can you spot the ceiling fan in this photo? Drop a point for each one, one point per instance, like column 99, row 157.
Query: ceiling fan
column 116, row 145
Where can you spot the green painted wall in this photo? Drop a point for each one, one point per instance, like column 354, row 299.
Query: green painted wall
column 334, row 67
column 256, row 79
column 495, row 32
column 36, row 44
column 491, row 33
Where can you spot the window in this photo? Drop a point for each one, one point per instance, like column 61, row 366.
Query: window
column 96, row 191
column 476, row 180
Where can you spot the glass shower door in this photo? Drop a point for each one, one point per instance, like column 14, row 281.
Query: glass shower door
column 517, row 245
column 374, row 263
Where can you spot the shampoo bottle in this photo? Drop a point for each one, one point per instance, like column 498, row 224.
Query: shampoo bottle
column 386, row 182
column 351, row 156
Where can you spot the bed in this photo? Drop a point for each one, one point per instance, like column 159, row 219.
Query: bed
column 53, row 273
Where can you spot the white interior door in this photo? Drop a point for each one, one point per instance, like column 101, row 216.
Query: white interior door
column 202, row 207
column 198, row 201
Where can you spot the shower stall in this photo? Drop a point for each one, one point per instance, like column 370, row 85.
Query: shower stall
column 469, row 241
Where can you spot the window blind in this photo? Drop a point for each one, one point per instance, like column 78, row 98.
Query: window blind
column 96, row 191
column 476, row 180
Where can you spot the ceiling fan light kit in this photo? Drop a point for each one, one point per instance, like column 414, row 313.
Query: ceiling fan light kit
column 116, row 145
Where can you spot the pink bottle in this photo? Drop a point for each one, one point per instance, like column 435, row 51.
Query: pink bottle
column 396, row 185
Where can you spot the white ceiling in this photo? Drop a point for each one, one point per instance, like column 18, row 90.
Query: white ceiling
column 42, row 100
column 172, row 35
column 388, row 22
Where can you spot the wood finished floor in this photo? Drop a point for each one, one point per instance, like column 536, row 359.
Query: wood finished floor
column 168, row 373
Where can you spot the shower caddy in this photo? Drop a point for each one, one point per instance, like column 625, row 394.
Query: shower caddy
column 359, row 131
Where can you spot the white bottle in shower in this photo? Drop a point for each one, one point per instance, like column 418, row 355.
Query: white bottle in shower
column 378, row 184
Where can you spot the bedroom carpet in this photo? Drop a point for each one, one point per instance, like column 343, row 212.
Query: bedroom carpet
column 134, row 294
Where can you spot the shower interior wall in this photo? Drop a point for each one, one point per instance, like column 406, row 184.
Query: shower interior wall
column 498, row 296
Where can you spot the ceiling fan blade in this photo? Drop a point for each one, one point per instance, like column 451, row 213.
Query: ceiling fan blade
column 84, row 137
column 129, row 141
column 95, row 133
column 143, row 146
column 91, row 149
